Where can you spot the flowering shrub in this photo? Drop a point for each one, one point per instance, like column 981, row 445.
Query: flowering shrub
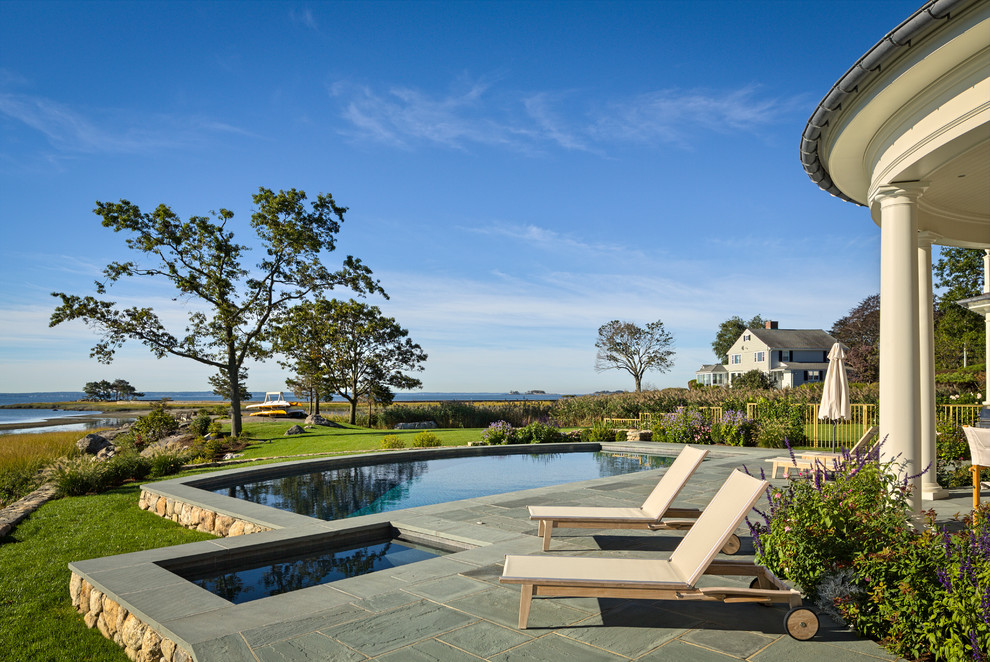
column 843, row 535
column 734, row 430
column 499, row 432
column 687, row 426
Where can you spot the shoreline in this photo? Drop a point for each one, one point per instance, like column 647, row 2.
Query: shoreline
column 69, row 420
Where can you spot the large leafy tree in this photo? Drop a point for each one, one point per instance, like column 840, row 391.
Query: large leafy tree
column 959, row 272
column 357, row 350
column 205, row 264
column 634, row 349
column 729, row 332
column 860, row 332
column 119, row 389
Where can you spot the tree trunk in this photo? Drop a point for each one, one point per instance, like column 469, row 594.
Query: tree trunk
column 235, row 392
column 639, row 383
column 316, row 401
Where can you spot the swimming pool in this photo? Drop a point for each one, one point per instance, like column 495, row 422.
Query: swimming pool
column 385, row 486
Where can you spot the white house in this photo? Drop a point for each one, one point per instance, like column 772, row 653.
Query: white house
column 790, row 357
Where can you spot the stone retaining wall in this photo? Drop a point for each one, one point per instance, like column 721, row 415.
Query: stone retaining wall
column 140, row 642
column 194, row 517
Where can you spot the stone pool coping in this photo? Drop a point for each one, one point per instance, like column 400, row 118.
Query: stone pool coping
column 376, row 615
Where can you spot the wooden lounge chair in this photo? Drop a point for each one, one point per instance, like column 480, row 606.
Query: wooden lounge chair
column 810, row 459
column 655, row 513
column 668, row 579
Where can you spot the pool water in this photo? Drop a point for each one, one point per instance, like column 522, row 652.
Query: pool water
column 352, row 491
column 263, row 578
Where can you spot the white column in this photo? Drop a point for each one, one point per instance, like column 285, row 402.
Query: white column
column 900, row 371
column 926, row 335
column 986, row 290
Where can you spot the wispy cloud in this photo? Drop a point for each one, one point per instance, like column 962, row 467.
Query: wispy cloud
column 404, row 115
column 673, row 116
column 483, row 114
column 73, row 130
column 303, row 17
column 551, row 240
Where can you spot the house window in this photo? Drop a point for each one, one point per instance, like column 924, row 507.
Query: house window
column 759, row 357
column 812, row 375
column 746, row 337
column 735, row 359
column 784, row 355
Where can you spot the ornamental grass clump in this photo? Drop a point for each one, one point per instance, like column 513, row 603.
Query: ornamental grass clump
column 843, row 534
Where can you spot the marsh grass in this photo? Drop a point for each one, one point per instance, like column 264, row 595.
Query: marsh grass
column 22, row 456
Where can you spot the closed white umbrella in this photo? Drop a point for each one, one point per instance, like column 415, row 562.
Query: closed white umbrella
column 835, row 396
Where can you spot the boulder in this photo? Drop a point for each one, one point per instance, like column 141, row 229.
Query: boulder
column 316, row 419
column 418, row 425
column 295, row 429
column 92, row 444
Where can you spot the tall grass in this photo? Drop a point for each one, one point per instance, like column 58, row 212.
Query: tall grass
column 22, row 456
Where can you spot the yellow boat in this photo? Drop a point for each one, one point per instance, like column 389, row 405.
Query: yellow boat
column 275, row 404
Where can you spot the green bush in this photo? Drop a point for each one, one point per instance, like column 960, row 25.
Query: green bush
column 200, row 425
column 391, row 441
column 166, row 463
column 778, row 420
column 734, row 430
column 156, row 425
column 466, row 415
column 121, row 467
column 845, row 537
column 599, row 431
column 426, row 439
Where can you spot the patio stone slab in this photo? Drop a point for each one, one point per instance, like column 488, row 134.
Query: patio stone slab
column 429, row 650
column 501, row 606
column 553, row 647
column 385, row 632
column 271, row 634
column 448, row 588
column 736, row 644
column 680, row 651
column 312, row 646
column 485, row 639
column 629, row 628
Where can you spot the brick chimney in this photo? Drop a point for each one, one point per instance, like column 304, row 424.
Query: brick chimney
column 771, row 325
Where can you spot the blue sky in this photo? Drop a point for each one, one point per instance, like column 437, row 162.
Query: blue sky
column 517, row 173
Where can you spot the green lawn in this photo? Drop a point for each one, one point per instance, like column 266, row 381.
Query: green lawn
column 268, row 438
column 38, row 620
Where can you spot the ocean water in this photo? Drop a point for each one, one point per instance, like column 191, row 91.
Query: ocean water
column 207, row 396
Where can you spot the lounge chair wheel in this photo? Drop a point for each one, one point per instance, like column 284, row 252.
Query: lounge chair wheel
column 732, row 545
column 801, row 623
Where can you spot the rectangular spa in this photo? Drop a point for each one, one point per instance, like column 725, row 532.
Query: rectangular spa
column 266, row 570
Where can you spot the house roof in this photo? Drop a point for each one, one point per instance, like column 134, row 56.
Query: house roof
column 794, row 338
column 783, row 367
column 712, row 367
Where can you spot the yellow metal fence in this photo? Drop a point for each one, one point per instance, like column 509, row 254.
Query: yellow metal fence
column 821, row 432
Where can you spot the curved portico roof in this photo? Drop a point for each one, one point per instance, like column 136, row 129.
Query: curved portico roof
column 913, row 104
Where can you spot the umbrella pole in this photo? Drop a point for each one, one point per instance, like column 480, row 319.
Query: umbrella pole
column 835, row 425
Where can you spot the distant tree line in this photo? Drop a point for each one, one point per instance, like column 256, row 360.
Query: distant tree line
column 119, row 389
